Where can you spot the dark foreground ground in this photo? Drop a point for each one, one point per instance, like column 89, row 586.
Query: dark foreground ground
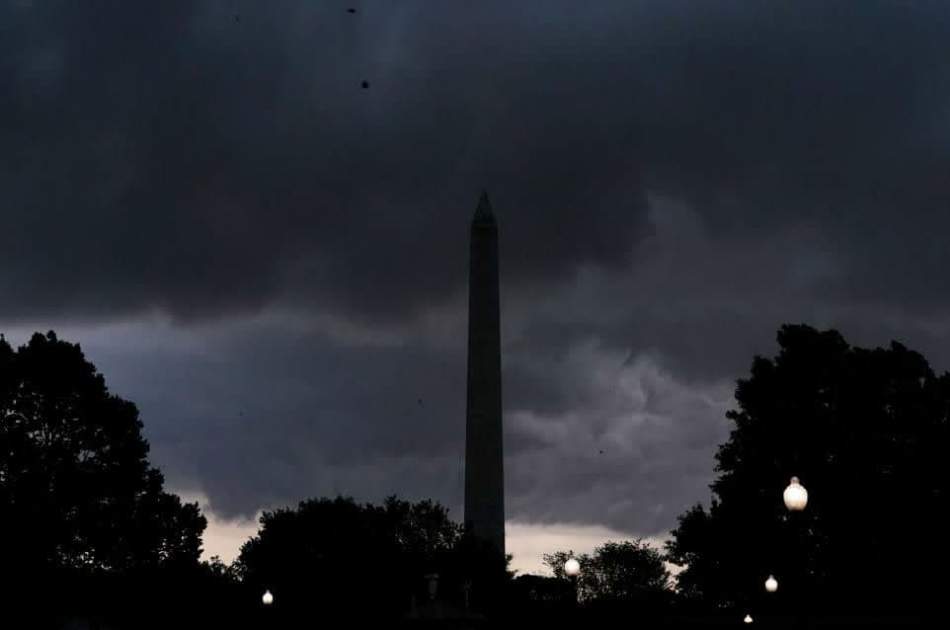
column 275, row 619
column 128, row 605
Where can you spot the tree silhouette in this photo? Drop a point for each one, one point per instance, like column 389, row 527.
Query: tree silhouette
column 349, row 555
column 867, row 433
column 624, row 571
column 76, row 489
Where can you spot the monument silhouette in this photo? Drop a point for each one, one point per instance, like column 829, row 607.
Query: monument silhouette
column 484, row 463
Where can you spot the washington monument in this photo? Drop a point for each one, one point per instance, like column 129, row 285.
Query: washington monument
column 484, row 462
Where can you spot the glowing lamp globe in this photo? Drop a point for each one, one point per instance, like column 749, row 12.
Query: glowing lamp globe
column 267, row 598
column 771, row 584
column 795, row 496
column 747, row 619
column 572, row 567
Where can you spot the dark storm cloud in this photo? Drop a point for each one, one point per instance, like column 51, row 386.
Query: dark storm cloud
column 673, row 180
column 266, row 411
column 170, row 156
column 179, row 159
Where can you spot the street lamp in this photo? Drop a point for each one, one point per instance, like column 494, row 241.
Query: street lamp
column 267, row 598
column 771, row 584
column 572, row 568
column 795, row 496
column 747, row 619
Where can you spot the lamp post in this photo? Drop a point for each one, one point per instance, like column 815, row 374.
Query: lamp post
column 771, row 586
column 267, row 599
column 795, row 497
column 572, row 568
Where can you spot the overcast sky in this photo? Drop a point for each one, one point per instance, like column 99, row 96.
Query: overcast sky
column 271, row 260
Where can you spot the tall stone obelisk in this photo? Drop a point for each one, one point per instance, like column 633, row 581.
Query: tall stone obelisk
column 484, row 462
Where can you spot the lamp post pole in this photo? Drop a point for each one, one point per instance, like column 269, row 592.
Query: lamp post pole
column 572, row 568
column 796, row 498
column 771, row 586
column 267, row 599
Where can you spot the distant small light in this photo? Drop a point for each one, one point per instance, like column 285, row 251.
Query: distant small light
column 267, row 598
column 572, row 567
column 795, row 496
column 771, row 584
column 747, row 619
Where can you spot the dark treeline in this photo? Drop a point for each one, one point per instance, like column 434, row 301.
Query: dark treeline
column 867, row 432
column 369, row 560
column 83, row 514
column 89, row 533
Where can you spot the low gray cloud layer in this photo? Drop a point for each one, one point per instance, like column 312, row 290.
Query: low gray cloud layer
column 271, row 259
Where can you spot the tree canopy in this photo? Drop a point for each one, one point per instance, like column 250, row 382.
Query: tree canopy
column 76, row 489
column 350, row 552
column 866, row 431
column 627, row 571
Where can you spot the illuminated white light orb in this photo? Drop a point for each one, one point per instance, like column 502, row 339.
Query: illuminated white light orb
column 267, row 598
column 747, row 619
column 572, row 567
column 795, row 496
column 771, row 584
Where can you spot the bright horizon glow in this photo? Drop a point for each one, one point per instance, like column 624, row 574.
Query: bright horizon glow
column 526, row 542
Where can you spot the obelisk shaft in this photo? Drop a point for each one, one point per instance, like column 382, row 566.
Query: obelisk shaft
column 484, row 461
